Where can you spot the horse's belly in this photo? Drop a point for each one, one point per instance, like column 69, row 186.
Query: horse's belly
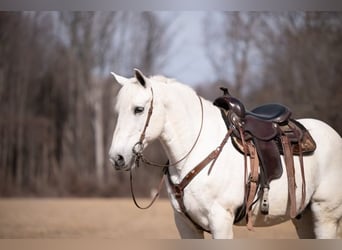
column 265, row 220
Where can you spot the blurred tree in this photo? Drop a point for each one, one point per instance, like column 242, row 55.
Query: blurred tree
column 88, row 37
column 27, row 134
column 231, row 47
column 291, row 57
column 56, row 95
column 302, row 64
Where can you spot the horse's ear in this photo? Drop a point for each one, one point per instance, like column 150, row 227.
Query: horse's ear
column 120, row 79
column 142, row 79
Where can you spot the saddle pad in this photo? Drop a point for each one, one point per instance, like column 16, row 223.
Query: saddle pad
column 291, row 130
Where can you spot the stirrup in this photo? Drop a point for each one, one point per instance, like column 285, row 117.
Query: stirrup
column 264, row 201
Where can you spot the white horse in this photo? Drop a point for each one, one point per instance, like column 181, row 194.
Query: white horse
column 211, row 200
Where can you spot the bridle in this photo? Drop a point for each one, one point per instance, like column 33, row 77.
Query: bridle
column 177, row 189
column 138, row 149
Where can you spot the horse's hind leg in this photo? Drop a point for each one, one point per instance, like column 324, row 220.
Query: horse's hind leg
column 327, row 219
column 305, row 224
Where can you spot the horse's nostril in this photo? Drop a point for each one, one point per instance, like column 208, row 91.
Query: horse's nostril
column 119, row 161
column 119, row 158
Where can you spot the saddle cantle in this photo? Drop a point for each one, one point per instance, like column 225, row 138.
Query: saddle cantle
column 270, row 131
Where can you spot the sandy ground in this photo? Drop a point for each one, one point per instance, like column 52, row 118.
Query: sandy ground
column 102, row 219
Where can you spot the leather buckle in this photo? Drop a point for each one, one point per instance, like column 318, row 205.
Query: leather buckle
column 178, row 192
column 252, row 179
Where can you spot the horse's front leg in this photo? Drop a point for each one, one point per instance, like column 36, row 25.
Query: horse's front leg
column 186, row 228
column 221, row 222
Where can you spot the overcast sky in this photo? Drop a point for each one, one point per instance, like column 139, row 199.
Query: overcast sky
column 189, row 64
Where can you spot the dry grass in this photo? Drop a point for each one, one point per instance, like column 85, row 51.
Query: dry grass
column 102, row 218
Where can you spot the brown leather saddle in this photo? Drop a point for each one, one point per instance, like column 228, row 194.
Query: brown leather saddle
column 272, row 132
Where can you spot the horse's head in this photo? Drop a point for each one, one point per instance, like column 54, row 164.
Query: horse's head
column 133, row 104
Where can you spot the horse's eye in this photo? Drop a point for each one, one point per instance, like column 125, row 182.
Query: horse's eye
column 138, row 110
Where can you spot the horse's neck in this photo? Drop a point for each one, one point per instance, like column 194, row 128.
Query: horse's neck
column 182, row 126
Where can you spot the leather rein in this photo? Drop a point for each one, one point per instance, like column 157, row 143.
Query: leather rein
column 177, row 189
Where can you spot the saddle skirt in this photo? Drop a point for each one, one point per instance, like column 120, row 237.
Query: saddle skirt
column 306, row 144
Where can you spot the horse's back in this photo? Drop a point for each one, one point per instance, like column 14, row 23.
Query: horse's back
column 320, row 126
column 328, row 141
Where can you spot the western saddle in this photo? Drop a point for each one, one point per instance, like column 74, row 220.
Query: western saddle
column 263, row 134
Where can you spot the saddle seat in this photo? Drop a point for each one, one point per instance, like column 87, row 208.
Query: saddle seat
column 273, row 112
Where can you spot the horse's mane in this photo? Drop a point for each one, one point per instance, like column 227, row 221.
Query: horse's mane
column 172, row 82
column 163, row 79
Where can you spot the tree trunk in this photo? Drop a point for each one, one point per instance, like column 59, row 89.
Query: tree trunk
column 99, row 143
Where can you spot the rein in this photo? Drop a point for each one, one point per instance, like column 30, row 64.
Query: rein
column 160, row 185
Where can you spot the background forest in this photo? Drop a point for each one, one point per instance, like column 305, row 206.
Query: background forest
column 57, row 96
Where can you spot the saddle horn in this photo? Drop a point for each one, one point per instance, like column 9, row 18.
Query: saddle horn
column 225, row 91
